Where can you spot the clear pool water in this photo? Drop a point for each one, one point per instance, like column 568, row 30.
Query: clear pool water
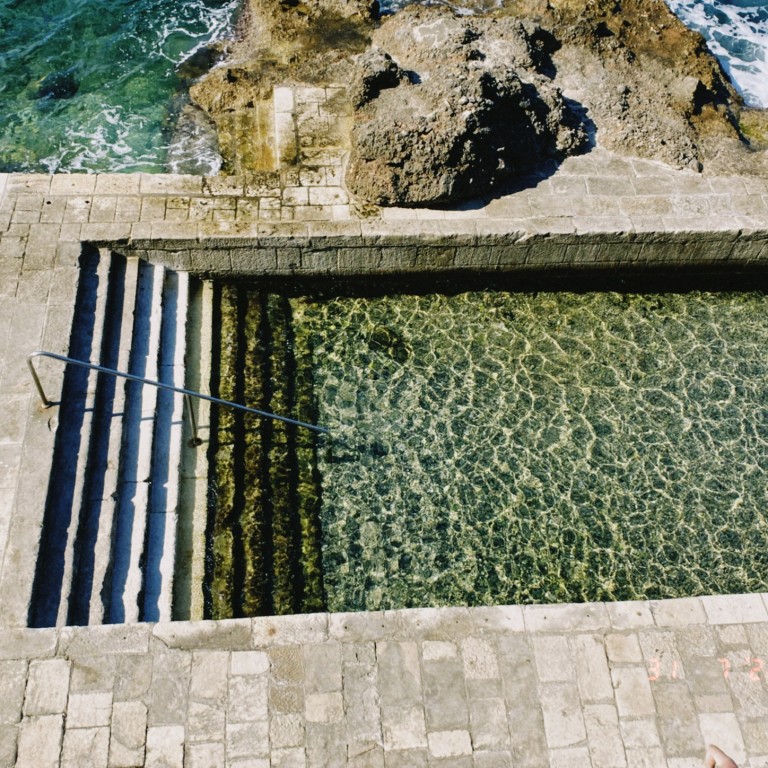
column 492, row 448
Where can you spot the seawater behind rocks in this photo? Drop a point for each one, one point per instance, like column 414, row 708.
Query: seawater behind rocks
column 492, row 448
column 92, row 86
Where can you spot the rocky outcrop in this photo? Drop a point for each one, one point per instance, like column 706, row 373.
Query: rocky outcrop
column 469, row 104
column 451, row 106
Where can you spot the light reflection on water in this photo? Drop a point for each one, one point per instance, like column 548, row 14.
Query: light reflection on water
column 497, row 448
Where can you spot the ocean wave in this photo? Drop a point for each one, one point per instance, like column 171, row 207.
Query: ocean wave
column 737, row 33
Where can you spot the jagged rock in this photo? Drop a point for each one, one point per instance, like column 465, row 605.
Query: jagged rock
column 477, row 108
column 58, row 85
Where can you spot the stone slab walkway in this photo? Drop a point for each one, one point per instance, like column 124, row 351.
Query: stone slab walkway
column 605, row 685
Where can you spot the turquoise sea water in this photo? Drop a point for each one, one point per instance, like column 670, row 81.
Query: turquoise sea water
column 496, row 448
column 90, row 86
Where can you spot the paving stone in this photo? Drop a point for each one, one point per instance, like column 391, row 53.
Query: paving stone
column 633, row 691
column 444, row 692
column 592, row 673
column 13, row 680
column 8, row 739
column 645, row 758
column 479, row 658
column 249, row 663
column 622, row 648
column 322, row 667
column 133, row 677
column 723, row 729
column 208, row 677
column 85, row 748
column 563, row 717
column 129, row 729
column 641, row 733
column 165, row 747
column 324, row 707
column 677, row 719
column 553, row 658
column 734, row 609
column 557, row 618
column 575, row 757
column 604, row 738
column 89, row 710
column 39, row 744
column 210, row 755
column 364, row 755
column 295, row 757
column 489, row 726
column 47, row 687
column 247, row 740
column 248, row 699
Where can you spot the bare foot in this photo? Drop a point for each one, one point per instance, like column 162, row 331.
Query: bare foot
column 716, row 758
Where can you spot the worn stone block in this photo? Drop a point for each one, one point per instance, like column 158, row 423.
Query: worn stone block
column 249, row 663
column 13, row 680
column 248, row 699
column 489, row 726
column 573, row 757
column 324, row 707
column 129, row 729
column 89, row 710
column 553, row 658
column 603, row 736
column 403, row 727
column 133, row 676
column 633, row 691
column 723, row 729
column 640, row 733
column 623, row 649
column 208, row 676
column 563, row 718
column 734, row 609
column 445, row 698
column 449, row 743
column 677, row 719
column 39, row 744
column 165, row 747
column 205, row 721
column 247, row 740
column 479, row 659
column 85, row 748
column 560, row 618
column 592, row 673
column 47, row 687
column 206, row 755
column 679, row 612
column 295, row 757
column 322, row 667
column 9, row 735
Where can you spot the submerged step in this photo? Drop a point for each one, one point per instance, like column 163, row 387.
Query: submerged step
column 257, row 533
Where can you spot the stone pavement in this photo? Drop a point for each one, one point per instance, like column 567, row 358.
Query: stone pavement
column 602, row 685
column 642, row 684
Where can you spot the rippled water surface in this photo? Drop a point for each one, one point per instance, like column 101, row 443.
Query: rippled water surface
column 502, row 448
column 90, row 86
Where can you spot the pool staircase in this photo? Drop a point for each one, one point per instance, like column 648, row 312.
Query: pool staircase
column 143, row 524
column 265, row 521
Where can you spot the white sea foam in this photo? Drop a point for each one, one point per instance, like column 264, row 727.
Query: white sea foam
column 737, row 33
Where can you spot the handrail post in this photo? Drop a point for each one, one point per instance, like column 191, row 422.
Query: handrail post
column 192, row 421
column 46, row 402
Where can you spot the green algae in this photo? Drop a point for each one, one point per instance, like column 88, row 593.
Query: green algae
column 264, row 530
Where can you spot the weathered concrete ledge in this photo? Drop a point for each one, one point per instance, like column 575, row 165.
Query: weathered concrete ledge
column 617, row 684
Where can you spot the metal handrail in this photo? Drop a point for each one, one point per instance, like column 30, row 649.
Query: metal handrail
column 188, row 393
